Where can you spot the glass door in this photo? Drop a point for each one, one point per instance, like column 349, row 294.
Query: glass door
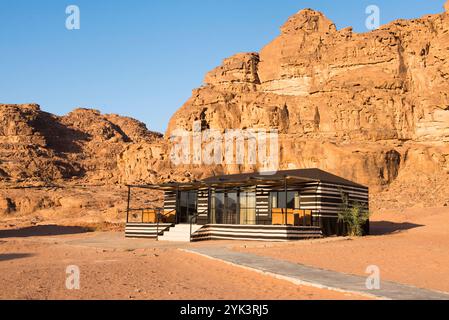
column 248, row 207
column 187, row 206
column 224, row 207
column 231, row 207
column 217, row 207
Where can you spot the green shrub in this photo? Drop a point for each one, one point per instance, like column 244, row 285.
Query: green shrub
column 353, row 215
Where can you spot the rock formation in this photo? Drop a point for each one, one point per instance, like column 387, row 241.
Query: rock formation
column 372, row 107
column 38, row 148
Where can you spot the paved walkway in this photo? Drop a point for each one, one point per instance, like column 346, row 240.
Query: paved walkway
column 325, row 279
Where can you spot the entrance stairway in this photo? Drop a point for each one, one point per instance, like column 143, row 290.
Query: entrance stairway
column 179, row 233
column 146, row 230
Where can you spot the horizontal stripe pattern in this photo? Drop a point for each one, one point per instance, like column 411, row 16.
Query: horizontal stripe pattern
column 145, row 230
column 203, row 203
column 322, row 198
column 256, row 233
column 170, row 200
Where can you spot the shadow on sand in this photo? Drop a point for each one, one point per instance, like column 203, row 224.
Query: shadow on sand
column 380, row 228
column 13, row 256
column 42, row 231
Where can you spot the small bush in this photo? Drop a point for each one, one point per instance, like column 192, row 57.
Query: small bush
column 354, row 216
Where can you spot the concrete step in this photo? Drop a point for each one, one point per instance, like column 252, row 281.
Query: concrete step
column 145, row 230
column 179, row 233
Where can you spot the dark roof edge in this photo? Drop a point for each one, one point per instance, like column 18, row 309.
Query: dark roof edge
column 306, row 175
column 314, row 174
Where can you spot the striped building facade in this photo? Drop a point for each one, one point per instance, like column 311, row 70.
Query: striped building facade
column 320, row 192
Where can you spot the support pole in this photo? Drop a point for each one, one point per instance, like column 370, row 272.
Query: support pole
column 177, row 204
column 256, row 208
column 128, row 204
column 286, row 206
column 317, row 212
column 158, row 213
column 209, row 204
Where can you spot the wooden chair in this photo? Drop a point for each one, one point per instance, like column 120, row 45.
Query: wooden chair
column 149, row 216
column 292, row 218
column 300, row 217
column 169, row 216
column 308, row 217
column 304, row 217
column 279, row 217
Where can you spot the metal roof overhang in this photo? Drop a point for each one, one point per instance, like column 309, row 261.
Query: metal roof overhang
column 224, row 183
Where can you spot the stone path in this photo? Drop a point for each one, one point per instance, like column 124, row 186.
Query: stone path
column 324, row 279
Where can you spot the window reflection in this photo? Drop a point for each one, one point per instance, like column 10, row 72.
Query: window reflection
column 233, row 207
column 248, row 208
column 278, row 199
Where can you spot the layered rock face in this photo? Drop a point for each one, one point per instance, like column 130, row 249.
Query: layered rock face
column 38, row 148
column 65, row 168
column 372, row 107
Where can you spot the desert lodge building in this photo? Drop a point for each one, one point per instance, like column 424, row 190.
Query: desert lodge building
column 285, row 205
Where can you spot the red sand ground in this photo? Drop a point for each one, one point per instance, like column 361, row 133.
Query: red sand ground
column 411, row 248
column 34, row 268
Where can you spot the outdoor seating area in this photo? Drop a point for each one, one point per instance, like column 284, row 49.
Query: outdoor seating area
column 151, row 216
column 291, row 217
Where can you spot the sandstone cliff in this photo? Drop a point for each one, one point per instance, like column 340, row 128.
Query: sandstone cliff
column 38, row 148
column 371, row 107
column 57, row 169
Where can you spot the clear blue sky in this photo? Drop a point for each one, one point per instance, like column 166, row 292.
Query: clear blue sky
column 142, row 58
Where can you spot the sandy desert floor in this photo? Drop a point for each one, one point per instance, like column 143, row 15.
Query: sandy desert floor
column 411, row 247
column 34, row 267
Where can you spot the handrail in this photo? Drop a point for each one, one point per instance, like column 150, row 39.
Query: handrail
column 195, row 217
column 140, row 209
column 158, row 218
column 159, row 212
column 128, row 204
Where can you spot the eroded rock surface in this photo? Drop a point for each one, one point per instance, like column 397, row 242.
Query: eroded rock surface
column 371, row 107
column 38, row 148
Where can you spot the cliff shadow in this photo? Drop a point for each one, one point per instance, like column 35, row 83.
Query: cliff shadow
column 14, row 256
column 42, row 231
column 380, row 228
column 60, row 137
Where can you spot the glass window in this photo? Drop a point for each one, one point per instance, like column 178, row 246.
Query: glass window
column 217, row 207
column 187, row 206
column 224, row 207
column 281, row 199
column 278, row 200
column 231, row 207
column 291, row 200
column 274, row 199
column 248, row 207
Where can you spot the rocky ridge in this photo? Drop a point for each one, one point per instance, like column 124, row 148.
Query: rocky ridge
column 371, row 107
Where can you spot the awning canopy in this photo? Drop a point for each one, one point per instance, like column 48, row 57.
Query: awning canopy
column 247, row 182
column 278, row 178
